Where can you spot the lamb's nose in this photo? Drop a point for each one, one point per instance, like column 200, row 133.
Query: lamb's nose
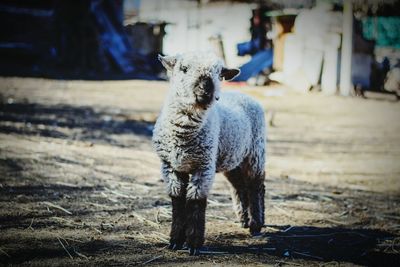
column 207, row 83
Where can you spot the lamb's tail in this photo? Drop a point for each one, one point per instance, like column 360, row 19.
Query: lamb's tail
column 255, row 161
column 258, row 151
column 256, row 158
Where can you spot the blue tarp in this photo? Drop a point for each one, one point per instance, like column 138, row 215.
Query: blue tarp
column 260, row 61
column 248, row 48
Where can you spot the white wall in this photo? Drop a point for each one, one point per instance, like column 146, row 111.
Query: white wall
column 191, row 26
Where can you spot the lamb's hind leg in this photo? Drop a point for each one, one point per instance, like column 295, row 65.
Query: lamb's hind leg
column 256, row 192
column 254, row 169
column 239, row 195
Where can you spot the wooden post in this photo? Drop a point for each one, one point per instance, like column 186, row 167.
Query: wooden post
column 347, row 49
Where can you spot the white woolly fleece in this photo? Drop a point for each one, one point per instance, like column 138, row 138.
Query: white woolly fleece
column 201, row 141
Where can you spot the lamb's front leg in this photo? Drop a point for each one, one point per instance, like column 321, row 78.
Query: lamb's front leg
column 177, row 234
column 196, row 203
column 176, row 187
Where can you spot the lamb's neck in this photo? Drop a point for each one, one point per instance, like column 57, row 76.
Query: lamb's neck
column 185, row 120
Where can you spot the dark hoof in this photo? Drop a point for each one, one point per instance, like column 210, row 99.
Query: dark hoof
column 256, row 234
column 175, row 246
column 194, row 251
column 255, row 231
column 255, row 228
column 245, row 225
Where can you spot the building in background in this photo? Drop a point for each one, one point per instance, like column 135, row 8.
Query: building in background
column 308, row 44
column 191, row 24
column 316, row 44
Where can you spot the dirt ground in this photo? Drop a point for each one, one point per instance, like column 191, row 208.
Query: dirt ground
column 80, row 184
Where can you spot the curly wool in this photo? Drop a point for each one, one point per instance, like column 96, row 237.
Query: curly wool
column 200, row 140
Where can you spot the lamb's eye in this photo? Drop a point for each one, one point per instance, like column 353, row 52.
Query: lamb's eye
column 183, row 69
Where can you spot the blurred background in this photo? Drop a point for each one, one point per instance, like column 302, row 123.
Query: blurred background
column 81, row 89
column 350, row 46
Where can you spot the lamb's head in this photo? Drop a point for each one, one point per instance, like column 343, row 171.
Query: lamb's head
column 196, row 77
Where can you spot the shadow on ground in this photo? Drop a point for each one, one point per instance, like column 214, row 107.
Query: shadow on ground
column 357, row 246
column 69, row 122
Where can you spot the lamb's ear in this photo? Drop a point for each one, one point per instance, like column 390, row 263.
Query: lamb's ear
column 229, row 74
column 167, row 61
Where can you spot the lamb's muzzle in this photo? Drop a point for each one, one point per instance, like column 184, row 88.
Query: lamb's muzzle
column 195, row 137
column 204, row 90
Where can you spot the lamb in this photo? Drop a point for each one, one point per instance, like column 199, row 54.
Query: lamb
column 196, row 136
